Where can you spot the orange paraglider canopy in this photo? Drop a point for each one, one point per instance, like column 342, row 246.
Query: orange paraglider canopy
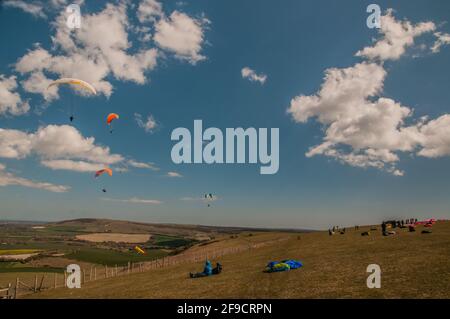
column 105, row 170
column 111, row 117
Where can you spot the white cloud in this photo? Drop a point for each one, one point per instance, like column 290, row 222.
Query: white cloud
column 63, row 148
column 442, row 39
column 136, row 164
column 7, row 178
column 149, row 11
column 38, row 83
column 361, row 127
column 182, row 35
column 35, row 8
column 435, row 137
column 134, row 200
column 251, row 75
column 397, row 36
column 99, row 49
column 10, row 101
column 149, row 124
column 174, row 174
column 78, row 166
column 200, row 199
column 58, row 147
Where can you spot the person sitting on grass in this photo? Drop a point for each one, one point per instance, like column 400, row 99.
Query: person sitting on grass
column 217, row 270
column 207, row 271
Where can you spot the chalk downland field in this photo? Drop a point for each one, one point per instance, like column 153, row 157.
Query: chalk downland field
column 413, row 265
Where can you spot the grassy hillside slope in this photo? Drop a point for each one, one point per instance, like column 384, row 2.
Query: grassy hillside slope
column 413, row 265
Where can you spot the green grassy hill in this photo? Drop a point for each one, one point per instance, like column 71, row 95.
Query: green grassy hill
column 413, row 265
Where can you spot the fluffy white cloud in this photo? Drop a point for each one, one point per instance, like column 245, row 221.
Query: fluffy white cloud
column 63, row 148
column 7, row 178
column 435, row 137
column 174, row 174
column 251, row 75
column 149, row 124
column 361, row 127
column 442, row 39
column 35, row 8
column 397, row 36
column 58, row 147
column 182, row 35
column 10, row 101
column 99, row 49
column 38, row 83
column 134, row 200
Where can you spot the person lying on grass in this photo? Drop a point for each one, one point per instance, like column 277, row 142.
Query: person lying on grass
column 207, row 271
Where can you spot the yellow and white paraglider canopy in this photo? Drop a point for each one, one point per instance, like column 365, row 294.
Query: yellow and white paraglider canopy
column 139, row 250
column 83, row 84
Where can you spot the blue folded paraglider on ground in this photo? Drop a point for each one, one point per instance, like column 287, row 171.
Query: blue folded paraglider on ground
column 284, row 265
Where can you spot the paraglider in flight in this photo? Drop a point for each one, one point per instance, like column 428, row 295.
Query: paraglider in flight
column 139, row 250
column 103, row 171
column 110, row 118
column 77, row 83
column 82, row 84
column 209, row 197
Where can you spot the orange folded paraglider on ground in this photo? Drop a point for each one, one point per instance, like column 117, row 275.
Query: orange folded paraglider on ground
column 140, row 250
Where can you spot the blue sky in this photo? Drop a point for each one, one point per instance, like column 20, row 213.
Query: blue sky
column 293, row 44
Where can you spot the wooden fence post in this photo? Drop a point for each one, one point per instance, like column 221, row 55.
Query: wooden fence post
column 106, row 271
column 65, row 279
column 54, row 283
column 90, row 274
column 42, row 282
column 116, row 270
column 35, row 283
column 16, row 288
column 95, row 273
column 128, row 271
column 8, row 295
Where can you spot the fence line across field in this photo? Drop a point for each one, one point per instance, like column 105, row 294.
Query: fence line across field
column 95, row 273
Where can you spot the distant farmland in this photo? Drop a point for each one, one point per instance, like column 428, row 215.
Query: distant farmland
column 115, row 237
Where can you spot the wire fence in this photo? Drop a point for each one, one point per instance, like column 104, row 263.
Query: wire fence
column 59, row 280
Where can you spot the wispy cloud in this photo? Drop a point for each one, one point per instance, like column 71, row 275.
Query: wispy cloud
column 34, row 8
column 200, row 199
column 134, row 200
column 442, row 39
column 7, row 178
column 149, row 124
column 174, row 174
column 251, row 75
column 150, row 166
